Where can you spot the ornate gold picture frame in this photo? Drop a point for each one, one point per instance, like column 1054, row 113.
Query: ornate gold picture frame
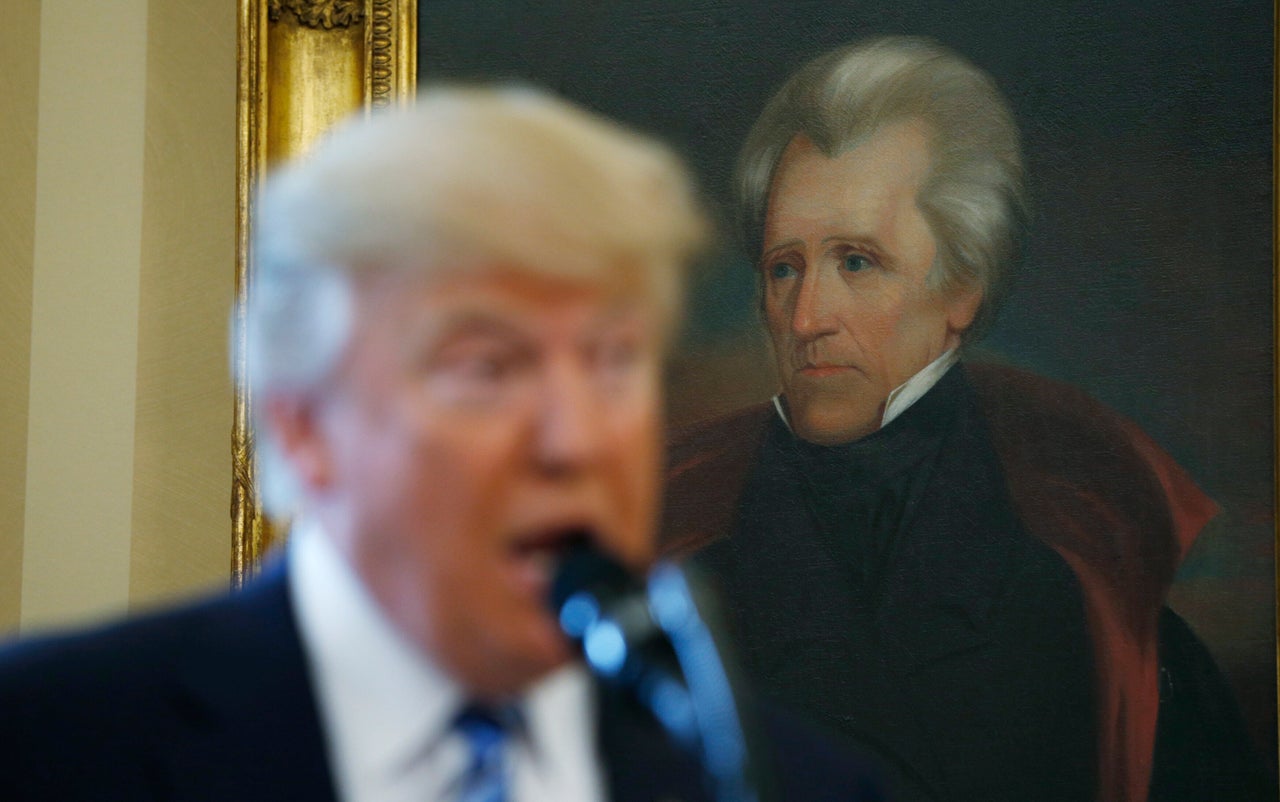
column 304, row 64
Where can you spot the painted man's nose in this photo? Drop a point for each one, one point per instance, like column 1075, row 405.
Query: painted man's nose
column 811, row 316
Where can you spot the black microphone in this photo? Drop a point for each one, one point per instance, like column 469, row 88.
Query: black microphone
column 650, row 637
column 605, row 611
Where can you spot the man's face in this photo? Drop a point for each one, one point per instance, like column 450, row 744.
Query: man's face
column 845, row 260
column 476, row 422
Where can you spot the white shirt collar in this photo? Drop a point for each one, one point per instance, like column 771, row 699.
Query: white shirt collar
column 913, row 389
column 905, row 394
column 388, row 709
column 381, row 699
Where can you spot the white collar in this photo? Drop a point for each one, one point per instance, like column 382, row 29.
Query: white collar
column 388, row 709
column 913, row 389
column 382, row 700
column 905, row 394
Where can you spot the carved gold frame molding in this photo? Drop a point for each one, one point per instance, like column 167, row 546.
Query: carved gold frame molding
column 303, row 64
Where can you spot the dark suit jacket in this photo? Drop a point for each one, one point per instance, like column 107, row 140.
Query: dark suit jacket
column 1017, row 637
column 214, row 702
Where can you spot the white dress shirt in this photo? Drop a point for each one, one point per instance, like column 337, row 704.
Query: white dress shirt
column 905, row 394
column 387, row 709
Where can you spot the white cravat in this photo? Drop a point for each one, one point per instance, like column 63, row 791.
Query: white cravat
column 387, row 708
column 905, row 394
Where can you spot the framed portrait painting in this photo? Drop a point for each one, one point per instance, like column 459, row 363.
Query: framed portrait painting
column 1146, row 275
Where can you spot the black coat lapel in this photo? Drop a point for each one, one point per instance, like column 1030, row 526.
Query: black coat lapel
column 983, row 633
column 245, row 723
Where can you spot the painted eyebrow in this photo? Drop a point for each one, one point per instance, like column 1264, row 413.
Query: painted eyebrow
column 782, row 246
column 870, row 243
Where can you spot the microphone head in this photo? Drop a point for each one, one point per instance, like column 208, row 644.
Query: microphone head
column 603, row 610
column 584, row 568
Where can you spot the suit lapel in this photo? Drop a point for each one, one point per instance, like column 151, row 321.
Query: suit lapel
column 245, row 723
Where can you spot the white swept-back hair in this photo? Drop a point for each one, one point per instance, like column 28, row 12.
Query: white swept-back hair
column 973, row 199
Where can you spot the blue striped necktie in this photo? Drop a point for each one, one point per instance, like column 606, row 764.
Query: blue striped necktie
column 485, row 731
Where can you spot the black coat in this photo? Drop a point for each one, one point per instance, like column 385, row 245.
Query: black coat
column 995, row 636
column 964, row 658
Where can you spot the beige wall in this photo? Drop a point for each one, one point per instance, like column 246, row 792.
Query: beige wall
column 181, row 496
column 118, row 151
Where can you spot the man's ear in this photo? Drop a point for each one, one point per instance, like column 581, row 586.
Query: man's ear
column 962, row 308
column 294, row 422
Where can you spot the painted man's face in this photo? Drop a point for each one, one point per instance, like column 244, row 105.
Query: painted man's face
column 476, row 420
column 845, row 260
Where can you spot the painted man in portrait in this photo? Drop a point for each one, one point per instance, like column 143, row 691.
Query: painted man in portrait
column 962, row 565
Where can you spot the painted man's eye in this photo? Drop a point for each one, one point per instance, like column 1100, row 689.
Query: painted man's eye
column 781, row 270
column 855, row 262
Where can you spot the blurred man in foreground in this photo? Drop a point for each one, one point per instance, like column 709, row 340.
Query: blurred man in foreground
column 455, row 338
